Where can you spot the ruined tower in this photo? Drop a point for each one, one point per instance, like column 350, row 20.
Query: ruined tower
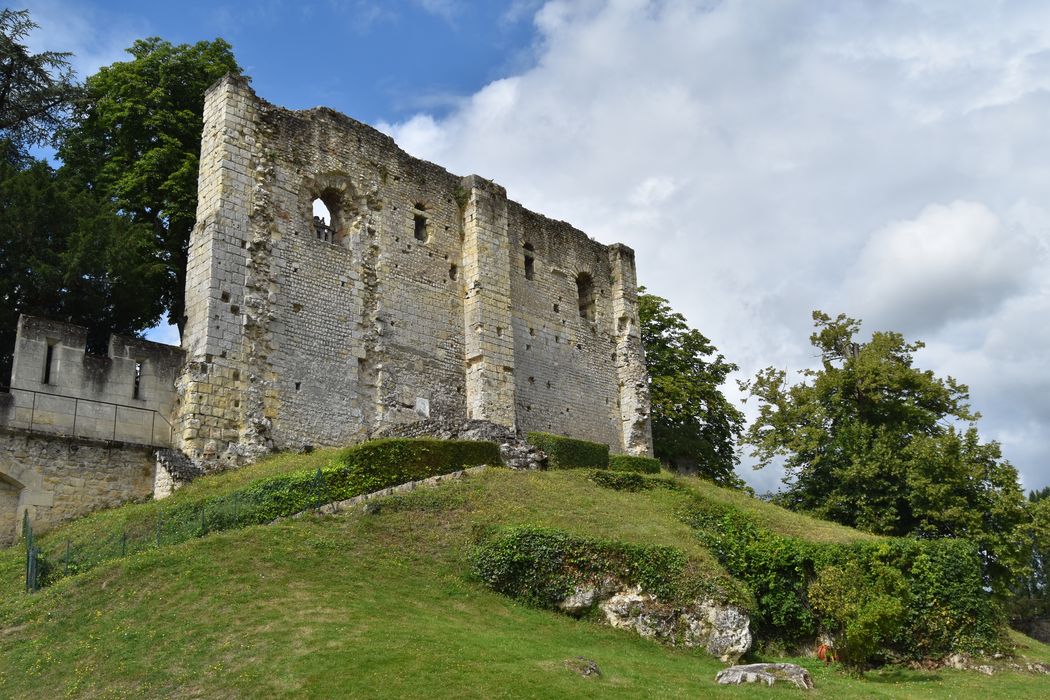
column 421, row 294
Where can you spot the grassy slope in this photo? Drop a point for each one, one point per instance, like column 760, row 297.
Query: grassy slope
column 366, row 605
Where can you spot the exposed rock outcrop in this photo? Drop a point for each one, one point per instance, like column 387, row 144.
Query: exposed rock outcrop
column 722, row 630
column 765, row 673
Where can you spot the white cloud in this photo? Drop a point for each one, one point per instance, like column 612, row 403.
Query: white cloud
column 95, row 38
column 951, row 262
column 765, row 159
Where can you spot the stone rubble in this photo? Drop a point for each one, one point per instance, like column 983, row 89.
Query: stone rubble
column 766, row 673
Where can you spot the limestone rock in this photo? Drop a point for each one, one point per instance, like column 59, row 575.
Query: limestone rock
column 722, row 630
column 586, row 596
column 765, row 673
column 583, row 666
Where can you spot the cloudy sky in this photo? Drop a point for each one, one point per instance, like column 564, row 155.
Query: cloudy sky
column 889, row 160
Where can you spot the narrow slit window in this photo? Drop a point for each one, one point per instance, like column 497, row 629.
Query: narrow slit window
column 137, row 393
column 49, row 360
column 585, row 290
column 420, row 223
column 530, row 262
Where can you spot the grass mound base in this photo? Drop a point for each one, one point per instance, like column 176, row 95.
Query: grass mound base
column 349, row 472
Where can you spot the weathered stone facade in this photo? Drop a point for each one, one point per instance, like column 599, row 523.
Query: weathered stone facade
column 78, row 431
column 427, row 295
column 54, row 479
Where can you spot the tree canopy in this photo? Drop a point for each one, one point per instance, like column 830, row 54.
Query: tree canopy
column 135, row 140
column 691, row 417
column 36, row 90
column 871, row 441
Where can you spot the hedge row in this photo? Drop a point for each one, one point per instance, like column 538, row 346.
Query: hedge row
column 890, row 598
column 632, row 463
column 570, row 453
column 542, row 566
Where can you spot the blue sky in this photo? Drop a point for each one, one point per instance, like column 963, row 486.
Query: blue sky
column 884, row 159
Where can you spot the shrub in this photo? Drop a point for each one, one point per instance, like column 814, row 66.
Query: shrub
column 570, row 453
column 633, row 463
column 621, row 481
column 543, row 566
column 914, row 598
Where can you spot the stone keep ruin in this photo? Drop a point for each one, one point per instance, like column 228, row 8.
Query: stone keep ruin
column 412, row 294
column 424, row 295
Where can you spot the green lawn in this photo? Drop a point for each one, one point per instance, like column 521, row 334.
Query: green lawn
column 381, row 605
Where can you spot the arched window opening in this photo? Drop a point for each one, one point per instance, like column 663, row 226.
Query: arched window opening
column 326, row 216
column 530, row 261
column 585, row 291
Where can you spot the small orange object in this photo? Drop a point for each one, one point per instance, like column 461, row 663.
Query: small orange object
column 826, row 654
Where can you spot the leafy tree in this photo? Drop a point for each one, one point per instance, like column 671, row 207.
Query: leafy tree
column 136, row 141
column 1032, row 594
column 691, row 417
column 65, row 253
column 871, row 441
column 36, row 90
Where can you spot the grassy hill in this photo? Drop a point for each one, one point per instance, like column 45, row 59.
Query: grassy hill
column 382, row 603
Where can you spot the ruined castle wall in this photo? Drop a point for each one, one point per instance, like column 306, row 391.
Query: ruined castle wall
column 411, row 304
column 56, row 479
column 566, row 379
column 126, row 395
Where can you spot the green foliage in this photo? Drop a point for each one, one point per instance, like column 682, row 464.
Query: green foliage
column 66, row 254
column 691, row 417
column 363, row 468
column 1031, row 601
column 632, row 463
column 542, row 566
column 136, row 141
column 36, row 90
column 869, row 440
column 906, row 597
column 864, row 604
column 632, row 481
column 621, row 481
column 570, row 453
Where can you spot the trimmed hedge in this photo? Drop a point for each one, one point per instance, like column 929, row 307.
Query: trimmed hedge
column 360, row 469
column 632, row 463
column 896, row 597
column 543, row 566
column 570, row 453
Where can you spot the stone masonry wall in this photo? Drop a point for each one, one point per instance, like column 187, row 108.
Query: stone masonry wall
column 126, row 395
column 55, row 479
column 412, row 304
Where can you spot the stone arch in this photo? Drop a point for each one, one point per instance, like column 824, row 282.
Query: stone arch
column 10, row 496
column 347, row 210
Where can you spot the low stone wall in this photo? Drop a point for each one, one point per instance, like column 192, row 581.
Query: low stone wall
column 55, row 479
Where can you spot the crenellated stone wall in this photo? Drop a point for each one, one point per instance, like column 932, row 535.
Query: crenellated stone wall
column 415, row 301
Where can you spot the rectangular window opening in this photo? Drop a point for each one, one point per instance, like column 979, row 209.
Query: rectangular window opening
column 48, row 361
column 137, row 394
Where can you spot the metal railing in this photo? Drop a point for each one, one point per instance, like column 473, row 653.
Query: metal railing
column 118, row 431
